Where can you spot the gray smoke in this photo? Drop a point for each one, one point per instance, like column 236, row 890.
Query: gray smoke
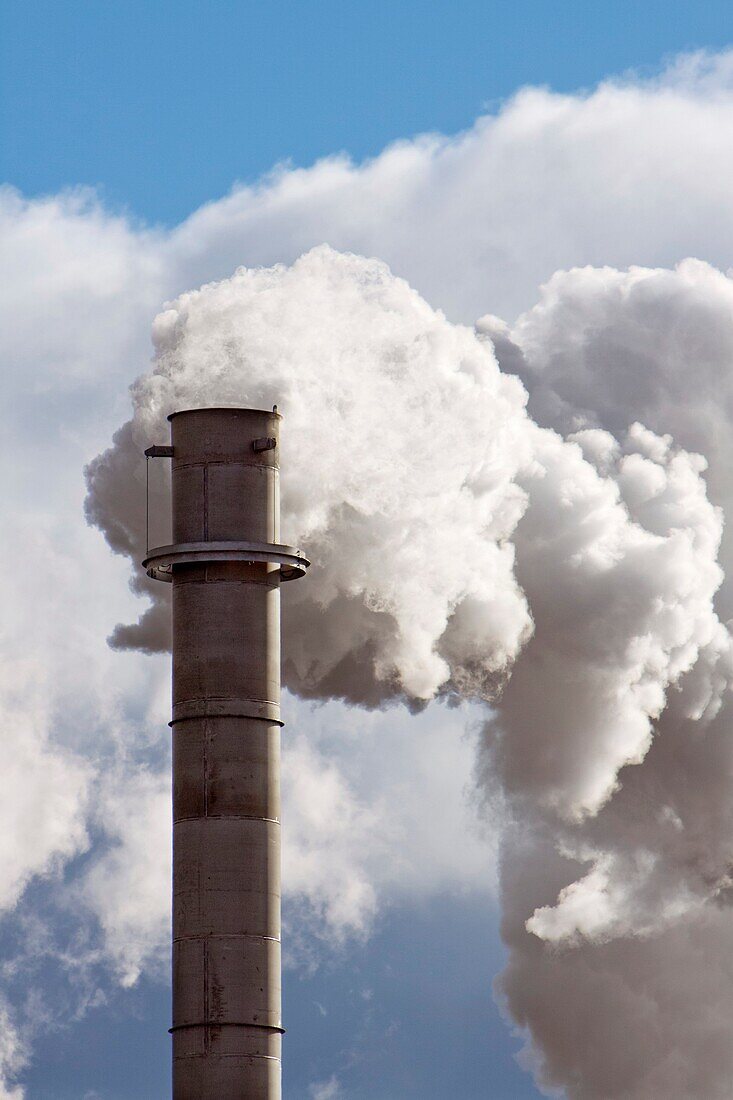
column 562, row 567
column 637, row 902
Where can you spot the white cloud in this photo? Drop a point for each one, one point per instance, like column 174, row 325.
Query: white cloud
column 328, row 835
column 632, row 172
column 326, row 1090
column 361, row 822
column 13, row 1057
column 129, row 885
column 42, row 812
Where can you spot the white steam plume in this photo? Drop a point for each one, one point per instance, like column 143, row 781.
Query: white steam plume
column 459, row 547
column 402, row 446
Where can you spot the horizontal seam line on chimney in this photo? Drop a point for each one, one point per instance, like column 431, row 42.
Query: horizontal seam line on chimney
column 225, row 462
column 228, row 714
column 227, row 817
column 231, row 1023
column 227, row 936
column 225, row 699
column 222, row 580
column 181, row 1058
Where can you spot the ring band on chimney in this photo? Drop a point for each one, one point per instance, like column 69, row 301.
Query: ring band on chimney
column 161, row 559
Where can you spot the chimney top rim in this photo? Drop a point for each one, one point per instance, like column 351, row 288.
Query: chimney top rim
column 225, row 409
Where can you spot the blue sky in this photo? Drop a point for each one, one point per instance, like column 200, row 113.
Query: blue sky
column 162, row 108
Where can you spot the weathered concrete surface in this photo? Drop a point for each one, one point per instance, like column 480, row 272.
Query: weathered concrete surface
column 226, row 763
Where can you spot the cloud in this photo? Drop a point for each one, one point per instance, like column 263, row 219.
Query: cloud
column 631, row 172
column 129, row 885
column 42, row 814
column 642, row 890
column 326, row 1090
column 402, row 398
column 327, row 827
column 604, row 347
column 13, row 1057
column 358, row 824
column 617, row 553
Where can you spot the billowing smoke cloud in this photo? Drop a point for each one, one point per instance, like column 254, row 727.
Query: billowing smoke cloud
column 637, row 901
column 402, row 446
column 565, row 578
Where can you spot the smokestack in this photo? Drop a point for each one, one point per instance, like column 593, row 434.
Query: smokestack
column 226, row 565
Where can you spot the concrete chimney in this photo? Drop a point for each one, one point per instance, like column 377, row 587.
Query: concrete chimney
column 226, row 565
